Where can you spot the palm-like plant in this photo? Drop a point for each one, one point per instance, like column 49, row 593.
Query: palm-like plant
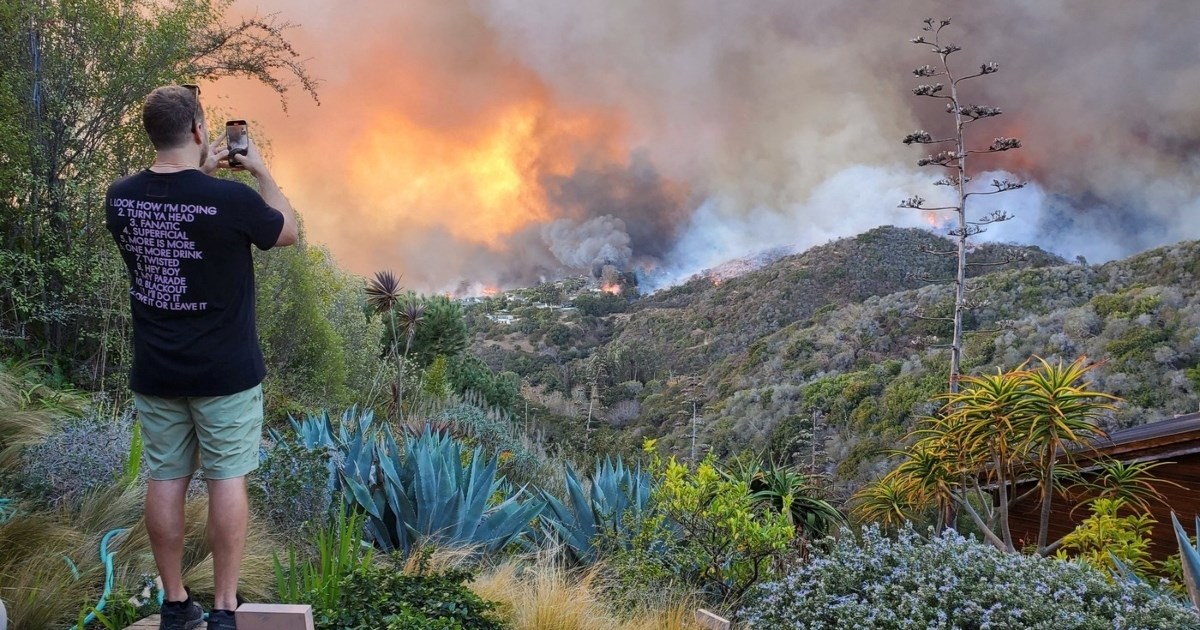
column 772, row 485
column 383, row 294
column 407, row 321
column 1061, row 413
column 384, row 291
column 998, row 431
column 929, row 472
column 1132, row 482
column 980, row 419
column 890, row 501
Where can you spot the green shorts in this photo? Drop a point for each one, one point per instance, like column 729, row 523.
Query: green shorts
column 220, row 433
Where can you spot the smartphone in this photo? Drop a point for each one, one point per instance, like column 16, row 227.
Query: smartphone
column 238, row 138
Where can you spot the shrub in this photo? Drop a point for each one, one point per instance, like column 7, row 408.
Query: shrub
column 90, row 453
column 294, row 486
column 377, row 597
column 1107, row 535
column 495, row 430
column 953, row 582
column 704, row 532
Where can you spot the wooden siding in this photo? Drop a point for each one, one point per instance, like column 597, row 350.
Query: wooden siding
column 1175, row 442
column 1185, row 501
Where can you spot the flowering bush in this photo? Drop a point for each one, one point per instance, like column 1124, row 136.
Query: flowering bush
column 953, row 582
column 90, row 453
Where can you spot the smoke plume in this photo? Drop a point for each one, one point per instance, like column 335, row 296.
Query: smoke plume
column 504, row 141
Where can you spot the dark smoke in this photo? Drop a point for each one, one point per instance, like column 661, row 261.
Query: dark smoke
column 753, row 125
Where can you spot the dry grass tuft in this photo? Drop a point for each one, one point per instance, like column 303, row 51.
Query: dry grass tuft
column 36, row 582
column 544, row 596
column 440, row 559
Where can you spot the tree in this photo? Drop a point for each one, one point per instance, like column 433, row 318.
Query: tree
column 597, row 372
column 75, row 73
column 955, row 161
column 432, row 327
column 998, row 432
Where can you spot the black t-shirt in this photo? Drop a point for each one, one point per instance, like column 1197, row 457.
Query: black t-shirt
column 186, row 238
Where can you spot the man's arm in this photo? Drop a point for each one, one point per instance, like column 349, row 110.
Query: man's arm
column 271, row 194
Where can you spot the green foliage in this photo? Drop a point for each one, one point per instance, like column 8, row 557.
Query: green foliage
column 726, row 543
column 293, row 488
column 1125, row 304
column 436, row 383
column 600, row 304
column 299, row 294
column 948, row 581
column 133, row 463
column 441, row 332
column 785, row 490
column 467, row 373
column 90, row 63
column 319, row 581
column 1107, row 535
column 384, row 598
column 1137, row 344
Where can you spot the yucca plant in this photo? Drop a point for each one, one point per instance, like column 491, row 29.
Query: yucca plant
column 429, row 495
column 614, row 498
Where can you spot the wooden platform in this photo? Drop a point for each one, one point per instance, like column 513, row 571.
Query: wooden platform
column 149, row 623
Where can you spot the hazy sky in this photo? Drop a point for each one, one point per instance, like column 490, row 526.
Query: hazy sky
column 499, row 142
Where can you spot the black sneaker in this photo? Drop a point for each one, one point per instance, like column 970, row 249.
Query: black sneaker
column 221, row 620
column 186, row 615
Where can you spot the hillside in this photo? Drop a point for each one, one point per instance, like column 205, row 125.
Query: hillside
column 866, row 370
column 825, row 343
column 692, row 325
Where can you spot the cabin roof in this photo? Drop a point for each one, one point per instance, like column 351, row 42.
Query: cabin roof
column 1155, row 440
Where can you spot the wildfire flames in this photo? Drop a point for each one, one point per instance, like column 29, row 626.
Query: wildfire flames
column 502, row 142
column 614, row 289
column 481, row 185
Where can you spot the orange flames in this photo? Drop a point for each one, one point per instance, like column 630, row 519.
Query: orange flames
column 611, row 288
column 424, row 141
column 479, row 188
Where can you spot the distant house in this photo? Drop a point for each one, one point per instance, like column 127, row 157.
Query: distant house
column 1175, row 441
column 502, row 318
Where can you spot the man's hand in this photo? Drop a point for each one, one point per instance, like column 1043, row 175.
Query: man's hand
column 216, row 156
column 253, row 160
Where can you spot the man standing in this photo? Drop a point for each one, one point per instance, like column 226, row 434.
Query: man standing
column 197, row 366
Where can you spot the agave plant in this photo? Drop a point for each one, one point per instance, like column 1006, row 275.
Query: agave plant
column 428, row 495
column 1190, row 558
column 618, row 495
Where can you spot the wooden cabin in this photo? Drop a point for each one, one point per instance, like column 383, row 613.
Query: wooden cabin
column 1175, row 441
